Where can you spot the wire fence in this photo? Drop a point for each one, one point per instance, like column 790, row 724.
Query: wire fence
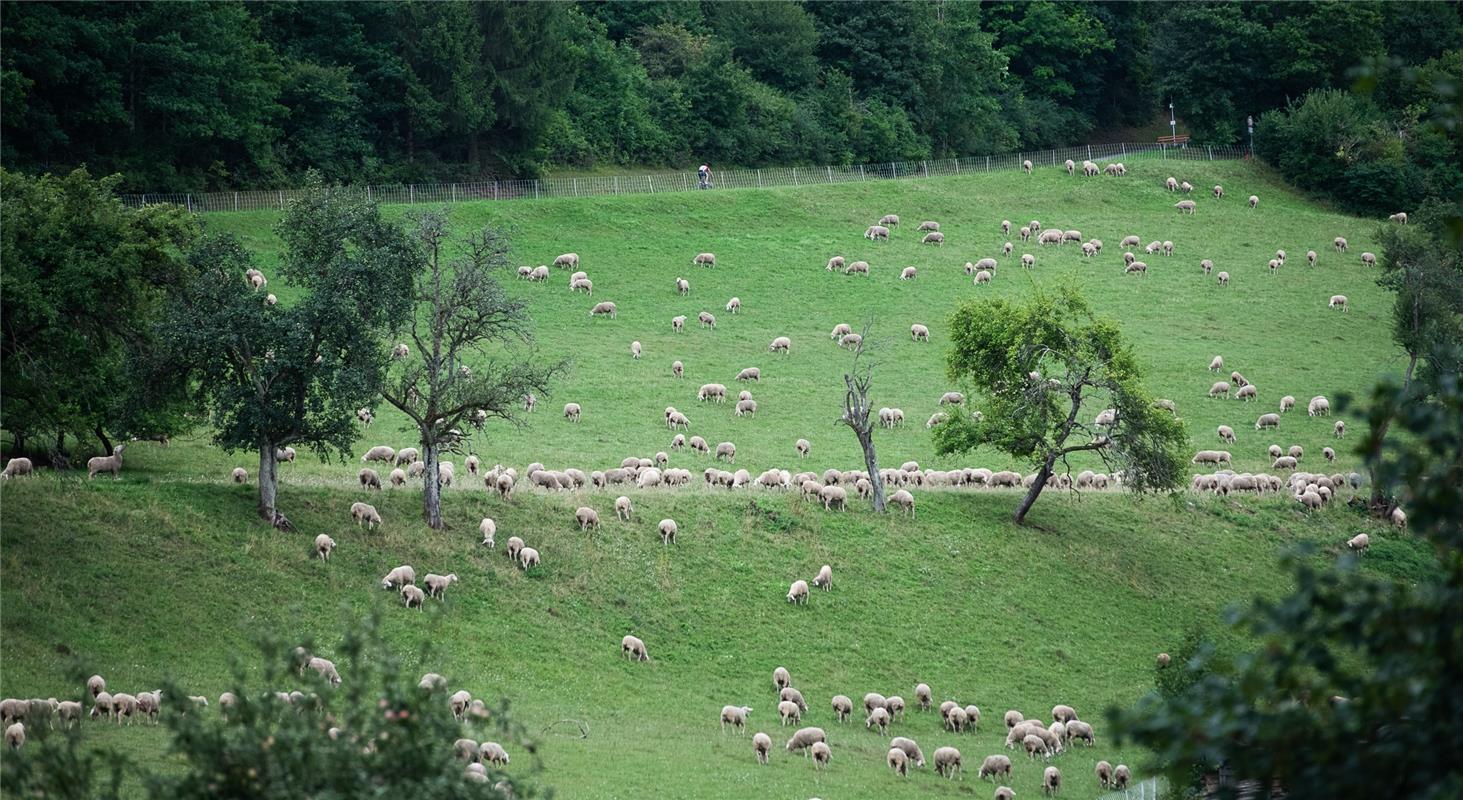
column 656, row 183
column 1143, row 790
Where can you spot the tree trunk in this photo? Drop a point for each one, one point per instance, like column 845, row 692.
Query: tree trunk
column 268, row 481
column 871, row 463
column 1035, row 491
column 431, row 487
column 19, row 444
column 1378, row 502
column 102, row 436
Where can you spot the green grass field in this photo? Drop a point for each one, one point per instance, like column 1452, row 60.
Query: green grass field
column 167, row 572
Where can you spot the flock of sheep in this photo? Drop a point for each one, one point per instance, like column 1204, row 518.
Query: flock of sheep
column 1031, row 736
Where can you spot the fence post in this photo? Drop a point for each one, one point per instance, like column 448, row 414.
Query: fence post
column 894, row 168
column 830, row 173
column 495, row 188
column 957, row 165
column 987, row 163
column 1124, row 145
column 861, row 175
column 617, row 184
column 576, row 186
column 1163, row 148
column 236, row 201
column 535, row 188
column 759, row 177
column 1210, row 148
column 794, row 176
column 281, row 200
column 411, row 193
column 1089, row 152
column 927, row 168
column 650, row 181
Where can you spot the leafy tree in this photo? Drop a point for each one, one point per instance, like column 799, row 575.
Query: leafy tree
column 776, row 41
column 1351, row 669
column 377, row 734
column 460, row 313
column 1041, row 368
column 293, row 373
column 1204, row 56
column 83, row 283
column 857, row 415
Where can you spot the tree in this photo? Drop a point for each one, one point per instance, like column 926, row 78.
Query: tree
column 1424, row 270
column 376, row 734
column 459, row 313
column 856, row 407
column 84, row 281
column 1040, row 369
column 1350, row 667
column 293, row 373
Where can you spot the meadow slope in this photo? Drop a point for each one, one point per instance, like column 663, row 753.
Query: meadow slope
column 167, row 572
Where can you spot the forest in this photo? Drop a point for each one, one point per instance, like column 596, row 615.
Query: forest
column 198, row 96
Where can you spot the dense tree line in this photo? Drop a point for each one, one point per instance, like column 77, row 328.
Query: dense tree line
column 209, row 95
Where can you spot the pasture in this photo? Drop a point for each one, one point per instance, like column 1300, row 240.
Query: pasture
column 167, row 570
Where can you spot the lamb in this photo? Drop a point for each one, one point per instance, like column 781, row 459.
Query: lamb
column 493, row 753
column 1226, row 434
column 365, row 514
column 1319, row 407
column 323, row 546
column 835, row 262
column 413, row 597
column 437, row 584
column 1224, row 279
column 995, row 765
column 15, row 736
column 933, row 237
column 1218, row 192
column 821, row 755
column 1186, row 206
column 1337, row 301
column 369, row 479
column 601, row 309
column 876, row 232
column 1339, row 429
column 528, row 557
column 908, row 273
column 824, row 578
column 842, row 707
column 804, row 738
column 1359, row 542
column 699, row 445
column 1051, row 781
column 111, row 464
column 668, row 530
column 1369, row 259
column 781, row 344
column 798, row 593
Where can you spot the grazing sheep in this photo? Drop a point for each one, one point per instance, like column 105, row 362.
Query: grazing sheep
column 1319, row 407
column 18, row 466
column 704, row 260
column 369, row 479
column 683, row 287
column 678, row 324
column 1077, row 729
column 876, row 232
column 851, row 340
column 762, row 747
column 323, row 546
column 904, row 500
column 677, row 369
column 1006, row 249
column 898, row 761
column 834, row 496
column 860, row 267
column 781, row 344
column 908, row 273
column 781, row 678
column 379, row 453
column 1339, row 429
column 982, row 277
column 1254, row 201
column 1129, row 258
column 1028, row 261
column 586, row 517
column 240, row 475
column 1218, row 192
column 1121, row 776
column 95, row 685
column 605, row 308
column 835, row 262
column 928, row 226
column 633, row 648
column 1247, row 393
column 821, row 755
column 437, row 584
column 528, row 557
column 923, row 696
column 15, row 736
column 1400, row 218
column 1337, row 301
column 1369, row 259
column 993, row 766
column 1224, row 279
column 1026, row 165
column 798, row 593
column 1034, row 746
column 840, row 330
column 804, row 738
column 1226, row 434
column 1186, row 206
column 1063, row 713
column 933, row 237
column 728, row 451
column 1287, row 403
column 842, row 707
column 1025, row 233
column 413, row 597
column 1297, row 452
column 734, row 305
column 572, row 412
column 540, row 274
column 111, row 464
column 1051, row 781
column 668, row 529
column 1138, row 267
column 956, row 720
column 1328, row 454
column 1172, row 183
column 1359, row 542
column 878, row 718
column 824, row 578
column 635, row 349
column 365, row 514
column 892, row 220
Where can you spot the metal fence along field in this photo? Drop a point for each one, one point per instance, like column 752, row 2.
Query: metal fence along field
column 654, row 183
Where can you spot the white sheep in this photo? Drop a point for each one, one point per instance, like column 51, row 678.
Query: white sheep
column 928, row 225
column 15, row 467
column 1369, row 259
column 1226, row 434
column 1051, row 781
column 1359, row 542
column 897, row 759
column 1339, row 429
column 369, row 478
column 805, row 738
column 762, row 746
column 586, row 517
column 1186, row 206
column 824, row 578
column 1224, row 279
column 781, row 344
column 111, row 464
column 633, row 648
column 365, row 514
column 1026, row 166
column 567, row 261
column 437, row 584
column 572, row 412
column 993, row 766
column 635, row 349
column 604, row 309
column 15, row 736
column 876, row 232
column 668, row 530
column 982, row 277
column 1218, row 192
column 933, row 237
column 798, row 593
column 1338, row 301
column 413, row 597
column 734, row 305
column 528, row 557
column 835, row 262
column 323, row 546
column 1319, row 407
column 908, row 273
column 904, row 500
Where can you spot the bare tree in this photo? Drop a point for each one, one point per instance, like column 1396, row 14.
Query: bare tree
column 460, row 312
column 858, row 380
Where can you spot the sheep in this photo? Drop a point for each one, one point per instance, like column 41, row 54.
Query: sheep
column 379, row 453
column 1400, row 218
column 437, row 584
column 1027, row 261
column 1104, row 775
column 1218, row 192
column 1062, row 713
column 445, row 473
column 1359, row 542
column 821, row 755
column 840, row 330
column 1006, row 249
column 1328, row 454
column 895, row 706
column 1211, row 457
column 1337, row 301
column 1025, row 233
column 835, row 262
column 860, row 267
column 1050, row 237
column 365, row 514
column 956, row 719
column 876, row 232
column 804, row 738
column 15, row 736
column 734, row 305
column 1247, row 393
column 683, row 286
column 1129, row 258
column 798, row 593
column 605, row 308
column 788, row 711
column 699, row 445
column 1219, row 388
column 1297, row 452
column 904, row 500
column 1287, row 403
column 762, row 747
column 898, row 760
column 842, row 707
column 1138, row 267
column 369, row 479
column 834, row 495
column 1004, row 793
column 727, row 450
column 111, row 464
column 1051, row 781
column 1167, row 248
column 1368, row 259
column 678, row 324
column 1339, row 429
column 928, row 226
column 633, row 648
column 1172, row 183
column 995, row 765
column 1224, row 279
column 586, row 517
column 323, row 546
column 412, row 597
column 982, row 277
column 1077, row 729
column 1121, row 776
column 1186, row 206
column 1311, row 258
column 635, row 349
column 1319, row 407
column 20, row 465
column 824, row 579
column 668, row 530
column 933, row 237
column 567, row 261
column 572, row 412
column 908, row 273
column 853, row 340
column 1034, row 745
column 1226, row 434
column 781, row 344
column 528, row 557
column 678, row 369
column 878, row 718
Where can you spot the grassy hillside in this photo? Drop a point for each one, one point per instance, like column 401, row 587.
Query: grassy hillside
column 166, row 570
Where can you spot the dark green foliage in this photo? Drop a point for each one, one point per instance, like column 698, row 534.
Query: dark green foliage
column 394, row 738
column 1043, row 369
column 84, row 280
column 1336, row 700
